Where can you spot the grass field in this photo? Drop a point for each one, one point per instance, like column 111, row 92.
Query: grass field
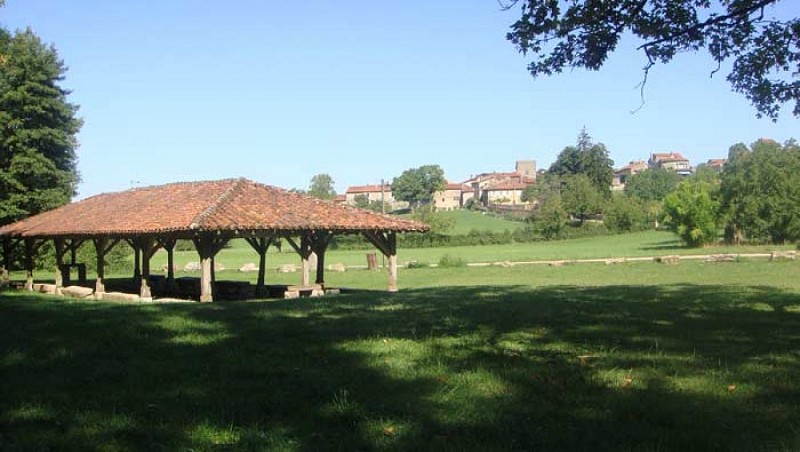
column 467, row 220
column 648, row 243
column 637, row 356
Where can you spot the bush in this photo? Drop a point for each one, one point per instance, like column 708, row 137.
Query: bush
column 417, row 264
column 625, row 214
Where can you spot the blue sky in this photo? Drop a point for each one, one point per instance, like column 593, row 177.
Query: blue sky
column 279, row 91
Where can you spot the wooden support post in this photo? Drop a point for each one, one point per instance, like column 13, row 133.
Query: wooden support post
column 213, row 270
column 7, row 259
column 148, row 247
column 30, row 250
column 102, row 246
column 206, row 286
column 305, row 255
column 100, row 250
column 81, row 268
column 319, row 244
column 137, row 268
column 304, row 250
column 171, row 263
column 207, row 246
column 169, row 245
column 61, row 249
column 393, row 273
column 261, row 246
column 387, row 244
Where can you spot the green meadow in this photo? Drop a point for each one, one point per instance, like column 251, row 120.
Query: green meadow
column 634, row 356
column 649, row 243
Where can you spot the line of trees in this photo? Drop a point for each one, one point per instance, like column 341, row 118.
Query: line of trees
column 753, row 199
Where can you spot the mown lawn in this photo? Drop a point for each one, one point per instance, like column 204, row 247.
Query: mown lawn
column 584, row 357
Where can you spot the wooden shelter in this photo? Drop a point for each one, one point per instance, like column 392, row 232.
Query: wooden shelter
column 210, row 214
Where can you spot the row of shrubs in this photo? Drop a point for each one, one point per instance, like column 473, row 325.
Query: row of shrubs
column 527, row 234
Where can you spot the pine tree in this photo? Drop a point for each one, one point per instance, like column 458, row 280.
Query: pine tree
column 38, row 128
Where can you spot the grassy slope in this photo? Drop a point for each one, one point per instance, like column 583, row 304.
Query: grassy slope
column 582, row 357
column 466, row 220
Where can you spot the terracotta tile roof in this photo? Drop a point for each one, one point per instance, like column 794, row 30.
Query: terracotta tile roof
column 507, row 185
column 369, row 188
column 453, row 186
column 224, row 205
column 667, row 157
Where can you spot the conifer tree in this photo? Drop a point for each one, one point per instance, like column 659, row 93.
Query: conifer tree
column 38, row 128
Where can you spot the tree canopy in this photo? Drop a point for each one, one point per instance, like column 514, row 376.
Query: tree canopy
column 579, row 196
column 760, row 192
column 587, row 158
column 417, row 185
column 38, row 129
column 763, row 49
column 691, row 212
column 322, row 187
column 652, row 184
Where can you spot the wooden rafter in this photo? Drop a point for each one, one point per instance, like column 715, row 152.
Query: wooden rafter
column 385, row 242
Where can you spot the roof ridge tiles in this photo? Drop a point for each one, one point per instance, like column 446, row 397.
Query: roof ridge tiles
column 197, row 222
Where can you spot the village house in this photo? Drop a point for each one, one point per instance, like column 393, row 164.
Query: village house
column 716, row 164
column 672, row 161
column 622, row 175
column 449, row 198
column 495, row 188
column 373, row 193
column 501, row 188
column 505, row 193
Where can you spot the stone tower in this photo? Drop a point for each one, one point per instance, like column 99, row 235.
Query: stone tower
column 526, row 167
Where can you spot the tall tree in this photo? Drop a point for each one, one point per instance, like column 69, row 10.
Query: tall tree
column 588, row 158
column 322, row 187
column 580, row 197
column 652, row 184
column 38, row 128
column 417, row 185
column 582, row 33
column 759, row 192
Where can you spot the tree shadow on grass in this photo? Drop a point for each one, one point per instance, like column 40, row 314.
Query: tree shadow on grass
column 455, row 368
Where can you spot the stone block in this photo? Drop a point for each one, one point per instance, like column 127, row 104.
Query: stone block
column 783, row 255
column 78, row 292
column 192, row 267
column 48, row 288
column 672, row 259
column 287, row 268
column 165, row 268
column 337, row 267
column 120, row 296
column 248, row 268
column 291, row 294
column 721, row 258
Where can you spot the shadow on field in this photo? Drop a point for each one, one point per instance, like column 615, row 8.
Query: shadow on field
column 456, row 368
